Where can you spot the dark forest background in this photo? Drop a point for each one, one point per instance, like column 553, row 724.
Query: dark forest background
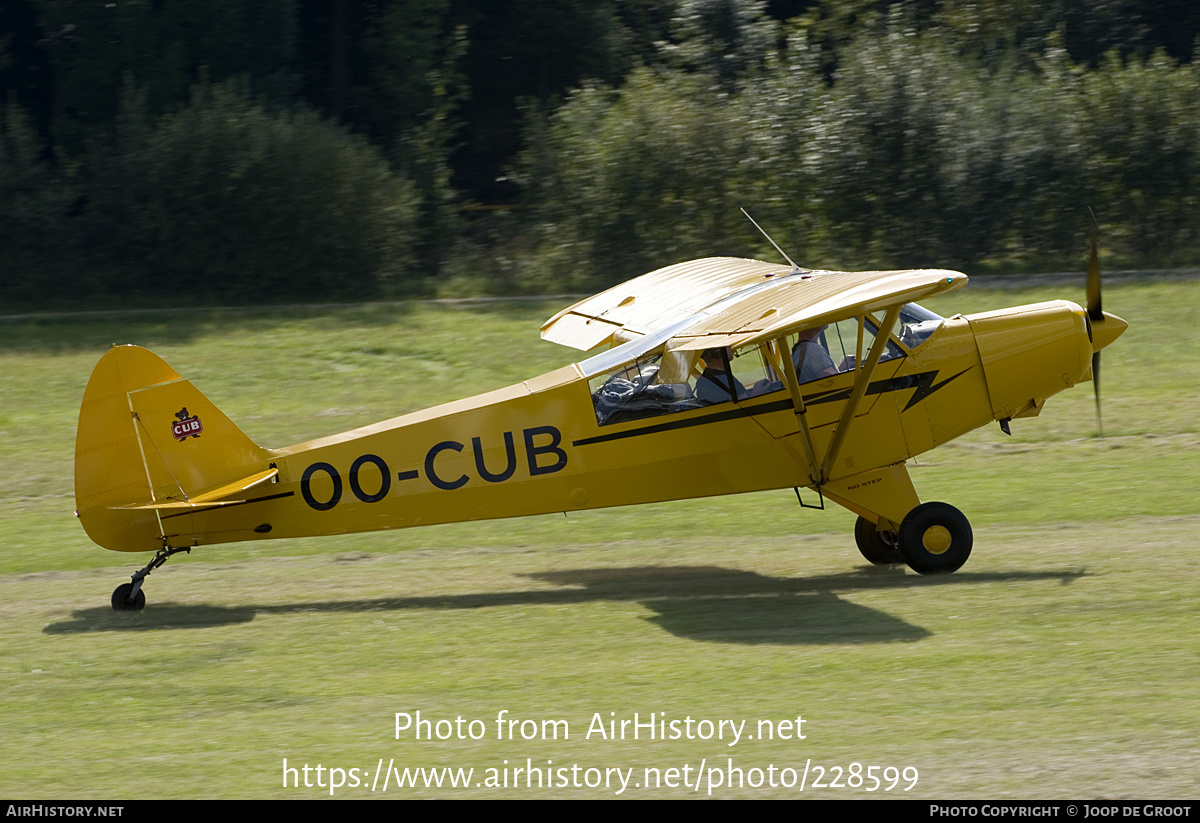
column 170, row 151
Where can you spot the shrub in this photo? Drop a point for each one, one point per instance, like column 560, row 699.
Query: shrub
column 230, row 202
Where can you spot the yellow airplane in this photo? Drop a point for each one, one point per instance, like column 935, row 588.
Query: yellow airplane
column 718, row 376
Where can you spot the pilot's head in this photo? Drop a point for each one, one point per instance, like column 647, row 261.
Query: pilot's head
column 714, row 360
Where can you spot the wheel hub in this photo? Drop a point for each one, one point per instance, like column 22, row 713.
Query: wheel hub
column 936, row 539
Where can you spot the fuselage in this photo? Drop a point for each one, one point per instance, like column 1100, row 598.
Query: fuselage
column 540, row 446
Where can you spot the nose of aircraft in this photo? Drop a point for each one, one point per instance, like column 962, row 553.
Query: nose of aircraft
column 1106, row 330
column 1030, row 353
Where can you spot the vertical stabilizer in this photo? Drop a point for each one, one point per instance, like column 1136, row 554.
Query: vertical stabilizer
column 147, row 436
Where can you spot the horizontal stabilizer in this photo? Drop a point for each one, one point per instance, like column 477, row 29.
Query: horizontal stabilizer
column 216, row 497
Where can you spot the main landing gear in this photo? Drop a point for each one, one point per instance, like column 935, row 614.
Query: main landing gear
column 934, row 538
column 129, row 597
column 880, row 547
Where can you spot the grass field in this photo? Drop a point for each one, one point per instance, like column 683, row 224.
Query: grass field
column 1060, row 662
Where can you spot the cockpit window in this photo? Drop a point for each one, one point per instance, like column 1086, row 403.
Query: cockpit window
column 679, row 381
column 839, row 347
column 665, row 382
column 642, row 389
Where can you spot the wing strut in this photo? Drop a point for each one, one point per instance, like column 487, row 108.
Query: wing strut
column 788, row 368
column 861, row 380
column 819, row 473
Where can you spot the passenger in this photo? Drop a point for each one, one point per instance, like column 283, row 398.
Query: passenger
column 714, row 384
column 811, row 358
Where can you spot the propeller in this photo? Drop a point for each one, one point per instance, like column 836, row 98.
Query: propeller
column 1094, row 309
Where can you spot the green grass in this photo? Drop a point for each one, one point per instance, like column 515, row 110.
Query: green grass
column 1060, row 662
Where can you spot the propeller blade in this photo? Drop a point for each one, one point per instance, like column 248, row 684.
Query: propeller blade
column 1094, row 309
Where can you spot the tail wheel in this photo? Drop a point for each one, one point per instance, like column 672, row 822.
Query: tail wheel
column 935, row 538
column 122, row 602
column 879, row 547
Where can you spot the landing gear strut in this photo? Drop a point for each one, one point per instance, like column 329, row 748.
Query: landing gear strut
column 129, row 597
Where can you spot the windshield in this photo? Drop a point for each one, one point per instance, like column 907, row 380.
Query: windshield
column 916, row 324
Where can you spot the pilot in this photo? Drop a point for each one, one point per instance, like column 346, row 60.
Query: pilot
column 713, row 386
column 811, row 358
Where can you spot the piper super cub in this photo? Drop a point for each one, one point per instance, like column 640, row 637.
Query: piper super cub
column 717, row 376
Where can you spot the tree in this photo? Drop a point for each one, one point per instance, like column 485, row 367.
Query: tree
column 34, row 203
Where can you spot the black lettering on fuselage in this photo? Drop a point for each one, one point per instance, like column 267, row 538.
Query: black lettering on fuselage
column 448, row 485
column 546, row 458
column 533, row 452
column 306, row 486
column 510, row 455
column 385, row 482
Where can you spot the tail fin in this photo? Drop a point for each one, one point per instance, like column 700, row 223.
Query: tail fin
column 148, row 440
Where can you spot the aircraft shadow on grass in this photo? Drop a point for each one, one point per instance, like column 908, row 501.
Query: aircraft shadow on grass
column 702, row 603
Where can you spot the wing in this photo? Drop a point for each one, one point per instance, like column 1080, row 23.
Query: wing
column 807, row 299
column 725, row 301
column 655, row 300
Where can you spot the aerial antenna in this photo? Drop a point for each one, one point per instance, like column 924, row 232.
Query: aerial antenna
column 772, row 242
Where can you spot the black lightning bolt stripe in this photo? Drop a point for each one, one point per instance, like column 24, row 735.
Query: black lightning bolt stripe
column 926, row 386
column 922, row 382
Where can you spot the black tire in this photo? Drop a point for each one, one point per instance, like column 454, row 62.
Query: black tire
column 121, row 601
column 935, row 538
column 880, row 548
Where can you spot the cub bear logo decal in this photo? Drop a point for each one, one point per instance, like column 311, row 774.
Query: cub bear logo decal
column 186, row 426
